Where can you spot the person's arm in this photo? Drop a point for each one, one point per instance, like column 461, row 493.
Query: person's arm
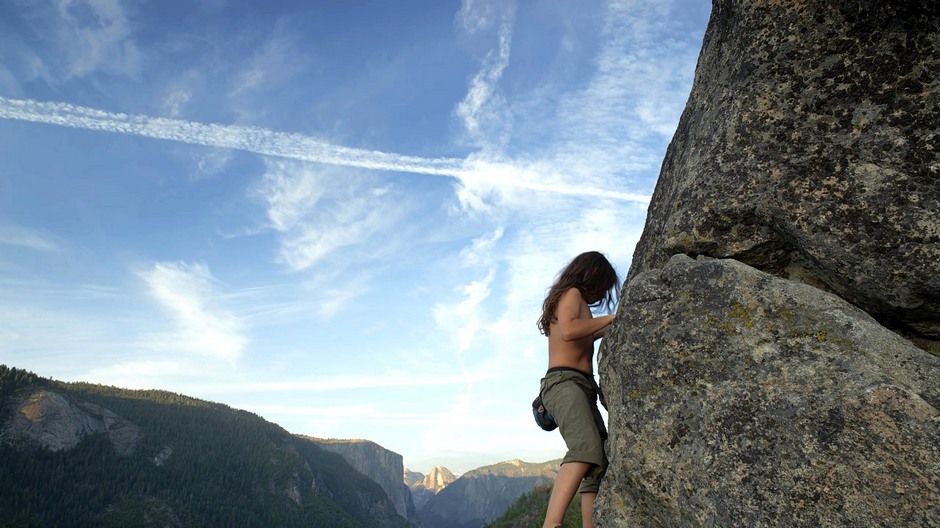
column 570, row 325
column 603, row 331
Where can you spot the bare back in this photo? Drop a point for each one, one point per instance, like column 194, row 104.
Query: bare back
column 573, row 332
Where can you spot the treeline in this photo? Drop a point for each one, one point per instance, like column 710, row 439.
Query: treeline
column 12, row 379
column 529, row 511
column 197, row 463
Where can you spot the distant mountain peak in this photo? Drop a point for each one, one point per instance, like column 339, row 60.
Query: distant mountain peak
column 424, row 487
column 437, row 479
column 483, row 494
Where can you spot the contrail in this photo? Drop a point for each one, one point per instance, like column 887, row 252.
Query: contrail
column 279, row 144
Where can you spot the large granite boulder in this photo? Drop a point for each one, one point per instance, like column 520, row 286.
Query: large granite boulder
column 810, row 148
column 783, row 375
column 742, row 399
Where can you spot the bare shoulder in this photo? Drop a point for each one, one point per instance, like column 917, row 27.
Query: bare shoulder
column 571, row 300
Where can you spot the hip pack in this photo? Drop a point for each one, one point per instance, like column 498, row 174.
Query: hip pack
column 543, row 418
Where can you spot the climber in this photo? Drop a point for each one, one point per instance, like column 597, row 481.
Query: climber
column 568, row 389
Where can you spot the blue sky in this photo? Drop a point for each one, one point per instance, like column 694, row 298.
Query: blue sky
column 342, row 216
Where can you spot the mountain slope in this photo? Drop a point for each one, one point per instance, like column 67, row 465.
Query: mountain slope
column 482, row 495
column 529, row 511
column 88, row 455
column 383, row 466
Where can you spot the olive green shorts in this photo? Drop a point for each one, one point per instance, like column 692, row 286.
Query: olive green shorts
column 571, row 396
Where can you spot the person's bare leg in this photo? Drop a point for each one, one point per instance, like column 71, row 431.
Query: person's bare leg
column 566, row 484
column 587, row 509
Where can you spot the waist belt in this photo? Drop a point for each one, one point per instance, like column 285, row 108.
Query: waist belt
column 571, row 369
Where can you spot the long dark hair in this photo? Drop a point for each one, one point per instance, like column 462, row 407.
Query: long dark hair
column 592, row 274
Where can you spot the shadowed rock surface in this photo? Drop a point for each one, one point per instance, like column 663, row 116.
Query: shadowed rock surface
column 383, row 466
column 785, row 377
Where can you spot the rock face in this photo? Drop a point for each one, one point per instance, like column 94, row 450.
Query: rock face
column 809, row 148
column 786, row 374
column 742, row 399
column 379, row 464
column 482, row 495
column 423, row 487
column 438, row 479
column 58, row 422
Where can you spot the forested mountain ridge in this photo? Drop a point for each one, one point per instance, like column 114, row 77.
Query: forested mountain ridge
column 190, row 463
column 529, row 511
column 483, row 494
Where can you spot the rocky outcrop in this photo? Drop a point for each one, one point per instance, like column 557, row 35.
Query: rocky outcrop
column 482, row 495
column 58, row 422
column 379, row 464
column 423, row 487
column 784, row 377
column 809, row 148
column 742, row 399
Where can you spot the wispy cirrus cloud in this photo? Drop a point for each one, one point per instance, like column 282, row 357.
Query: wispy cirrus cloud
column 610, row 132
column 274, row 62
column 36, row 240
column 202, row 326
column 464, row 318
column 484, row 111
column 318, row 210
column 301, row 147
column 617, row 126
column 80, row 37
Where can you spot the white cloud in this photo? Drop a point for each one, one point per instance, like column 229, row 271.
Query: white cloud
column 619, row 123
column 480, row 15
column 290, row 192
column 334, row 300
column 273, row 63
column 37, row 240
column 174, row 101
column 464, row 318
column 211, row 163
column 88, row 36
column 318, row 211
column 480, row 251
column 203, row 327
column 483, row 111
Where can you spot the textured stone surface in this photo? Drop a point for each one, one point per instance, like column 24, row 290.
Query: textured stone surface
column 742, row 399
column 58, row 422
column 810, row 148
